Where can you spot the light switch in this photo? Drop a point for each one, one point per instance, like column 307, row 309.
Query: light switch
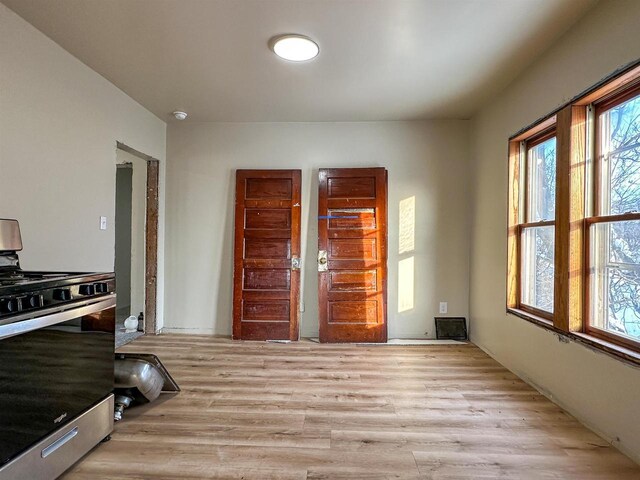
column 103, row 223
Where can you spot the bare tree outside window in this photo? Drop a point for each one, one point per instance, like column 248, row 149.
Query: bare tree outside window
column 616, row 247
column 538, row 238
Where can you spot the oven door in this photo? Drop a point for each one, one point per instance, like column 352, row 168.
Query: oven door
column 52, row 368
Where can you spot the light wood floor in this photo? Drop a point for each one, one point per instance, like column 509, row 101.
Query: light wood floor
column 257, row 411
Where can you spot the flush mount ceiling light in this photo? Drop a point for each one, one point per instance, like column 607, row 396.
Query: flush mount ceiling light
column 295, row 48
column 179, row 115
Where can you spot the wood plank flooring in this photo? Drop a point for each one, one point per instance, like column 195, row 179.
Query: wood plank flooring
column 258, row 411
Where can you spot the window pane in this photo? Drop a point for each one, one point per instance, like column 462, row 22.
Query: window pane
column 537, row 267
column 620, row 167
column 615, row 277
column 541, row 186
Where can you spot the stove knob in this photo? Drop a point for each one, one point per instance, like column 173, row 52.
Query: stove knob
column 32, row 301
column 87, row 289
column 101, row 287
column 62, row 294
column 9, row 305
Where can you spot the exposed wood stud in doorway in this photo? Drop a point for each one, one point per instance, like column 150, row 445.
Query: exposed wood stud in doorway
column 151, row 248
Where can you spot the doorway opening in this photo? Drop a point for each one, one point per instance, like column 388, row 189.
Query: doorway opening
column 136, row 241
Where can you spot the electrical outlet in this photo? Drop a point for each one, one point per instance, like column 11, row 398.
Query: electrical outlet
column 444, row 307
column 302, row 306
column 103, row 223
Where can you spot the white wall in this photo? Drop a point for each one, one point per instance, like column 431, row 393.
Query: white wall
column 425, row 159
column 58, row 131
column 602, row 392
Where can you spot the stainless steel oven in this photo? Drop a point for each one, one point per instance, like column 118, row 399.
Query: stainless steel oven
column 56, row 368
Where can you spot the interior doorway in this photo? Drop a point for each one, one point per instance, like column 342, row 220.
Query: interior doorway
column 131, row 189
column 136, row 237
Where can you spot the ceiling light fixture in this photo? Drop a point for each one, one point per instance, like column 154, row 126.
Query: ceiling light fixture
column 180, row 115
column 295, row 48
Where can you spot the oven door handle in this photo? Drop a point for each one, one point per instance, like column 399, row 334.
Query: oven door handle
column 24, row 326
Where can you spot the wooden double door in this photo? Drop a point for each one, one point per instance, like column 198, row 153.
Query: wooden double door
column 351, row 258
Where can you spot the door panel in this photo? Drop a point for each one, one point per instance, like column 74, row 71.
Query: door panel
column 352, row 230
column 267, row 248
column 353, row 248
column 351, row 187
column 348, row 312
column 352, row 219
column 261, row 188
column 261, row 218
column 349, row 281
column 267, row 238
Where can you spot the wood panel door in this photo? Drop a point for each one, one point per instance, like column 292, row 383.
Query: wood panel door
column 266, row 274
column 352, row 257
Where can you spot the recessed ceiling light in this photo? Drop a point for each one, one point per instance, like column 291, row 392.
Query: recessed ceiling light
column 296, row 48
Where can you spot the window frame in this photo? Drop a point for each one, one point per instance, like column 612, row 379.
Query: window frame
column 587, row 327
column 519, row 215
column 608, row 102
column 576, row 210
column 526, row 145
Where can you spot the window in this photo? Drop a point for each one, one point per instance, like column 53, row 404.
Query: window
column 537, row 233
column 574, row 219
column 614, row 230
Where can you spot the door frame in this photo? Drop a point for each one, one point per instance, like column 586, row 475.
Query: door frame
column 151, row 238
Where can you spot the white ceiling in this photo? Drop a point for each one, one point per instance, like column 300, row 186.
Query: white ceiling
column 379, row 59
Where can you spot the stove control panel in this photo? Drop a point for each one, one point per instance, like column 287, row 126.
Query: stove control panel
column 62, row 294
column 48, row 297
column 9, row 305
column 87, row 289
column 22, row 303
column 32, row 301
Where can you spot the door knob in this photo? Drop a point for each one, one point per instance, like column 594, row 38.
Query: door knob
column 322, row 261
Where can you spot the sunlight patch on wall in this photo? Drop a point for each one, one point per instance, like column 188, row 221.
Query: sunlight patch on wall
column 406, row 244
column 405, row 284
column 407, row 229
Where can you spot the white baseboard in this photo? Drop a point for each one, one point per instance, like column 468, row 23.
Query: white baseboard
column 191, row 331
column 402, row 341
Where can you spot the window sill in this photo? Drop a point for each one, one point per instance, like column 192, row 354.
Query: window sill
column 619, row 352
column 530, row 317
column 611, row 348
